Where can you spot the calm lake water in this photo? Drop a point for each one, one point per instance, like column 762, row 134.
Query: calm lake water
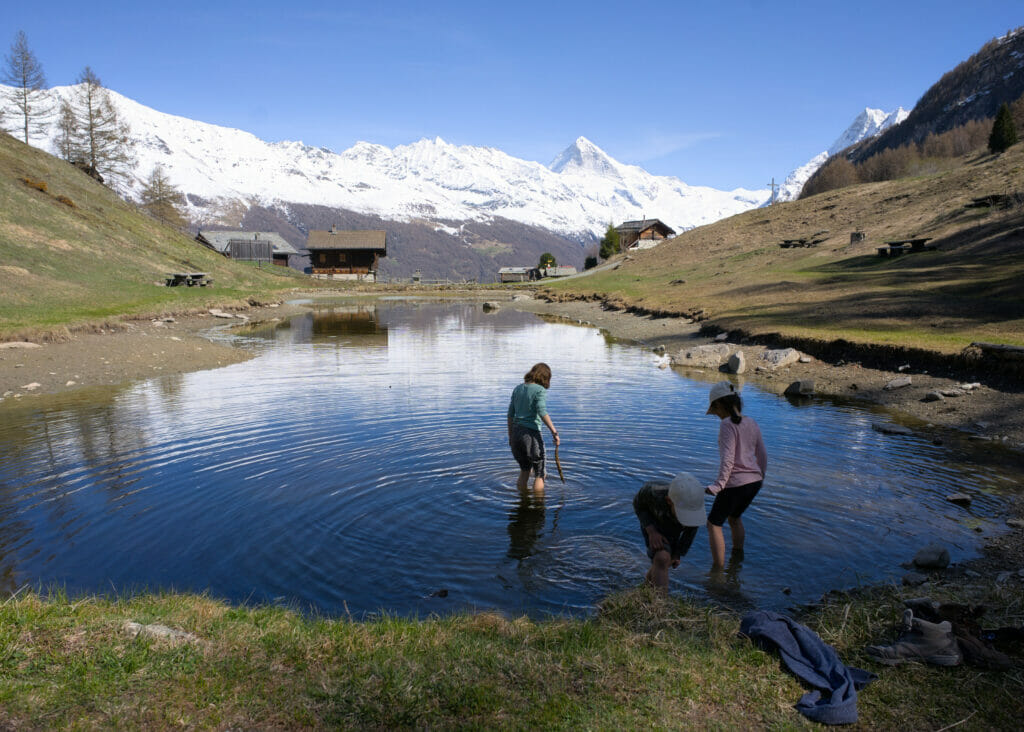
column 359, row 463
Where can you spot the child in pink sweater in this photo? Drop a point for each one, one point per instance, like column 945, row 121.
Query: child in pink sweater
column 742, row 465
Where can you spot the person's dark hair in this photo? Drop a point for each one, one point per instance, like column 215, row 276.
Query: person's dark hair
column 539, row 374
column 733, row 405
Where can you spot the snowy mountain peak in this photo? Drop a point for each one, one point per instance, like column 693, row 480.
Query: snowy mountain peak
column 227, row 170
column 868, row 123
column 583, row 157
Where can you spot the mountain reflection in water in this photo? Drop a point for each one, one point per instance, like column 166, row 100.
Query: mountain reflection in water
column 360, row 461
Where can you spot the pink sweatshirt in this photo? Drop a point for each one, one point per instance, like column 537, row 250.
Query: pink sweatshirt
column 743, row 457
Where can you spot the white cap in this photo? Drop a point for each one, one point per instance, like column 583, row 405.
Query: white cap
column 687, row 496
column 719, row 390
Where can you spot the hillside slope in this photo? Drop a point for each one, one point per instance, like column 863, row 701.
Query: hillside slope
column 734, row 274
column 75, row 253
column 971, row 91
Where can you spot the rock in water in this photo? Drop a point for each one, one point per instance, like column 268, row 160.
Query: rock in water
column 933, row 556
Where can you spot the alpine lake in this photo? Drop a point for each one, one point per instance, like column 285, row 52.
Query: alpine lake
column 359, row 464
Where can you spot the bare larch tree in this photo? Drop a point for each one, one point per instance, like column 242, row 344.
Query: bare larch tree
column 162, row 200
column 101, row 137
column 23, row 72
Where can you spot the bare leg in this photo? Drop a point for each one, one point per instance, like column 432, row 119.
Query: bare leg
column 717, row 542
column 524, row 478
column 739, row 534
column 657, row 575
column 538, row 485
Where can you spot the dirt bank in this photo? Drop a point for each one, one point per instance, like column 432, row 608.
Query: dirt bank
column 984, row 412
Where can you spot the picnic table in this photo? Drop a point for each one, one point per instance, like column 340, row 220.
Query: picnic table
column 899, row 246
column 189, row 279
column 805, row 241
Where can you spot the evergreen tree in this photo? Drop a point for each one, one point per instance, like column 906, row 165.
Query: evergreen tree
column 162, row 200
column 24, row 73
column 590, row 262
column 547, row 259
column 610, row 243
column 101, row 137
column 1004, row 131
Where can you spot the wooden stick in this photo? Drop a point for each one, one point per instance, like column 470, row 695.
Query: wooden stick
column 558, row 464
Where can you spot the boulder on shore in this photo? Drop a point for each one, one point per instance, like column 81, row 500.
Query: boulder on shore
column 779, row 357
column 804, row 387
column 736, row 364
column 707, row 356
column 898, row 383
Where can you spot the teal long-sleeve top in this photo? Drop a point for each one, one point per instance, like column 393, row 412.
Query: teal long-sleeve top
column 528, row 404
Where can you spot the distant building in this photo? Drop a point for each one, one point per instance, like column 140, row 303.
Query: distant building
column 346, row 255
column 561, row 270
column 643, row 234
column 266, row 246
column 518, row 274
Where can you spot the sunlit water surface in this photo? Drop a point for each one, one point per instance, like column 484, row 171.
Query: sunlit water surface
column 359, row 463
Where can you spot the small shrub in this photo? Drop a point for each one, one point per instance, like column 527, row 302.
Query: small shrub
column 67, row 201
column 39, row 185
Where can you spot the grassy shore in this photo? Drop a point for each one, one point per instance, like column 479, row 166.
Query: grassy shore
column 640, row 661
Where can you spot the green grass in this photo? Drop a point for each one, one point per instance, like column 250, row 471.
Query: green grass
column 639, row 662
column 63, row 266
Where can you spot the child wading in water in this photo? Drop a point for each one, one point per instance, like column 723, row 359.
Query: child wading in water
column 670, row 515
column 526, row 410
column 742, row 465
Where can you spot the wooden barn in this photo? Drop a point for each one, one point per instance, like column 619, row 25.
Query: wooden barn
column 643, row 234
column 346, row 254
column 265, row 246
column 518, row 274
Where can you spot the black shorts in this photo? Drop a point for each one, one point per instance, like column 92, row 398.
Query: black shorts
column 528, row 450
column 678, row 544
column 731, row 502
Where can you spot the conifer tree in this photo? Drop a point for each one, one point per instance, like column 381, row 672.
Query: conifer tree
column 67, row 132
column 610, row 243
column 1004, row 131
column 23, row 72
column 101, row 137
column 162, row 200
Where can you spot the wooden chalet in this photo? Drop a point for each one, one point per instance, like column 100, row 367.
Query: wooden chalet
column 346, row 254
column 266, row 246
column 643, row 234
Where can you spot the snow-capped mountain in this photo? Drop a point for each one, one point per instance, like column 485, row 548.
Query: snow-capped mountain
column 869, row 123
column 577, row 196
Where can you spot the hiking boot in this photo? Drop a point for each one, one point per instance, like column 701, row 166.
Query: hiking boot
column 920, row 641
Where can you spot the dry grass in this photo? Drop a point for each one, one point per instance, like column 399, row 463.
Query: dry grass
column 734, row 274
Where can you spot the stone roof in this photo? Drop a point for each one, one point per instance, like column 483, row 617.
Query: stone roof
column 220, row 240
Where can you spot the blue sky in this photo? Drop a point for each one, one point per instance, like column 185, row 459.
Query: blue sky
column 725, row 94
